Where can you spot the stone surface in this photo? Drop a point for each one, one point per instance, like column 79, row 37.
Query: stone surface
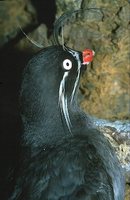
column 127, row 195
column 67, row 5
column 12, row 14
column 106, row 85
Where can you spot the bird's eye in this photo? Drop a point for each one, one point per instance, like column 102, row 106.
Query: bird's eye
column 67, row 64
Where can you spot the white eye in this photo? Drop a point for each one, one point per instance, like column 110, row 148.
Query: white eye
column 67, row 64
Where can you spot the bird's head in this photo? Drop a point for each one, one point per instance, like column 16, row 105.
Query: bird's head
column 51, row 79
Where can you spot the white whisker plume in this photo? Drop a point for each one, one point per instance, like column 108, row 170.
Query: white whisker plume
column 30, row 39
column 63, row 101
column 76, row 55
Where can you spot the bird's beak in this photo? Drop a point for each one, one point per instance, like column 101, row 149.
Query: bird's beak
column 87, row 56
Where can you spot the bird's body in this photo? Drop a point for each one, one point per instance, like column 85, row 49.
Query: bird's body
column 63, row 157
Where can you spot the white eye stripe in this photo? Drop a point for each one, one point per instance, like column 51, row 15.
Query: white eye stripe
column 67, row 64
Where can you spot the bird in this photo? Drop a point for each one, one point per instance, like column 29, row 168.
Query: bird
column 63, row 155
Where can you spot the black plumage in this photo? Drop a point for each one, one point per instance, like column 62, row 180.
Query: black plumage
column 61, row 161
column 63, row 156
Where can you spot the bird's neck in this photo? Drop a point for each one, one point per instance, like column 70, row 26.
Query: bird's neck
column 46, row 124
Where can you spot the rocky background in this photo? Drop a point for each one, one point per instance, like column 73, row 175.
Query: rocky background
column 105, row 86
